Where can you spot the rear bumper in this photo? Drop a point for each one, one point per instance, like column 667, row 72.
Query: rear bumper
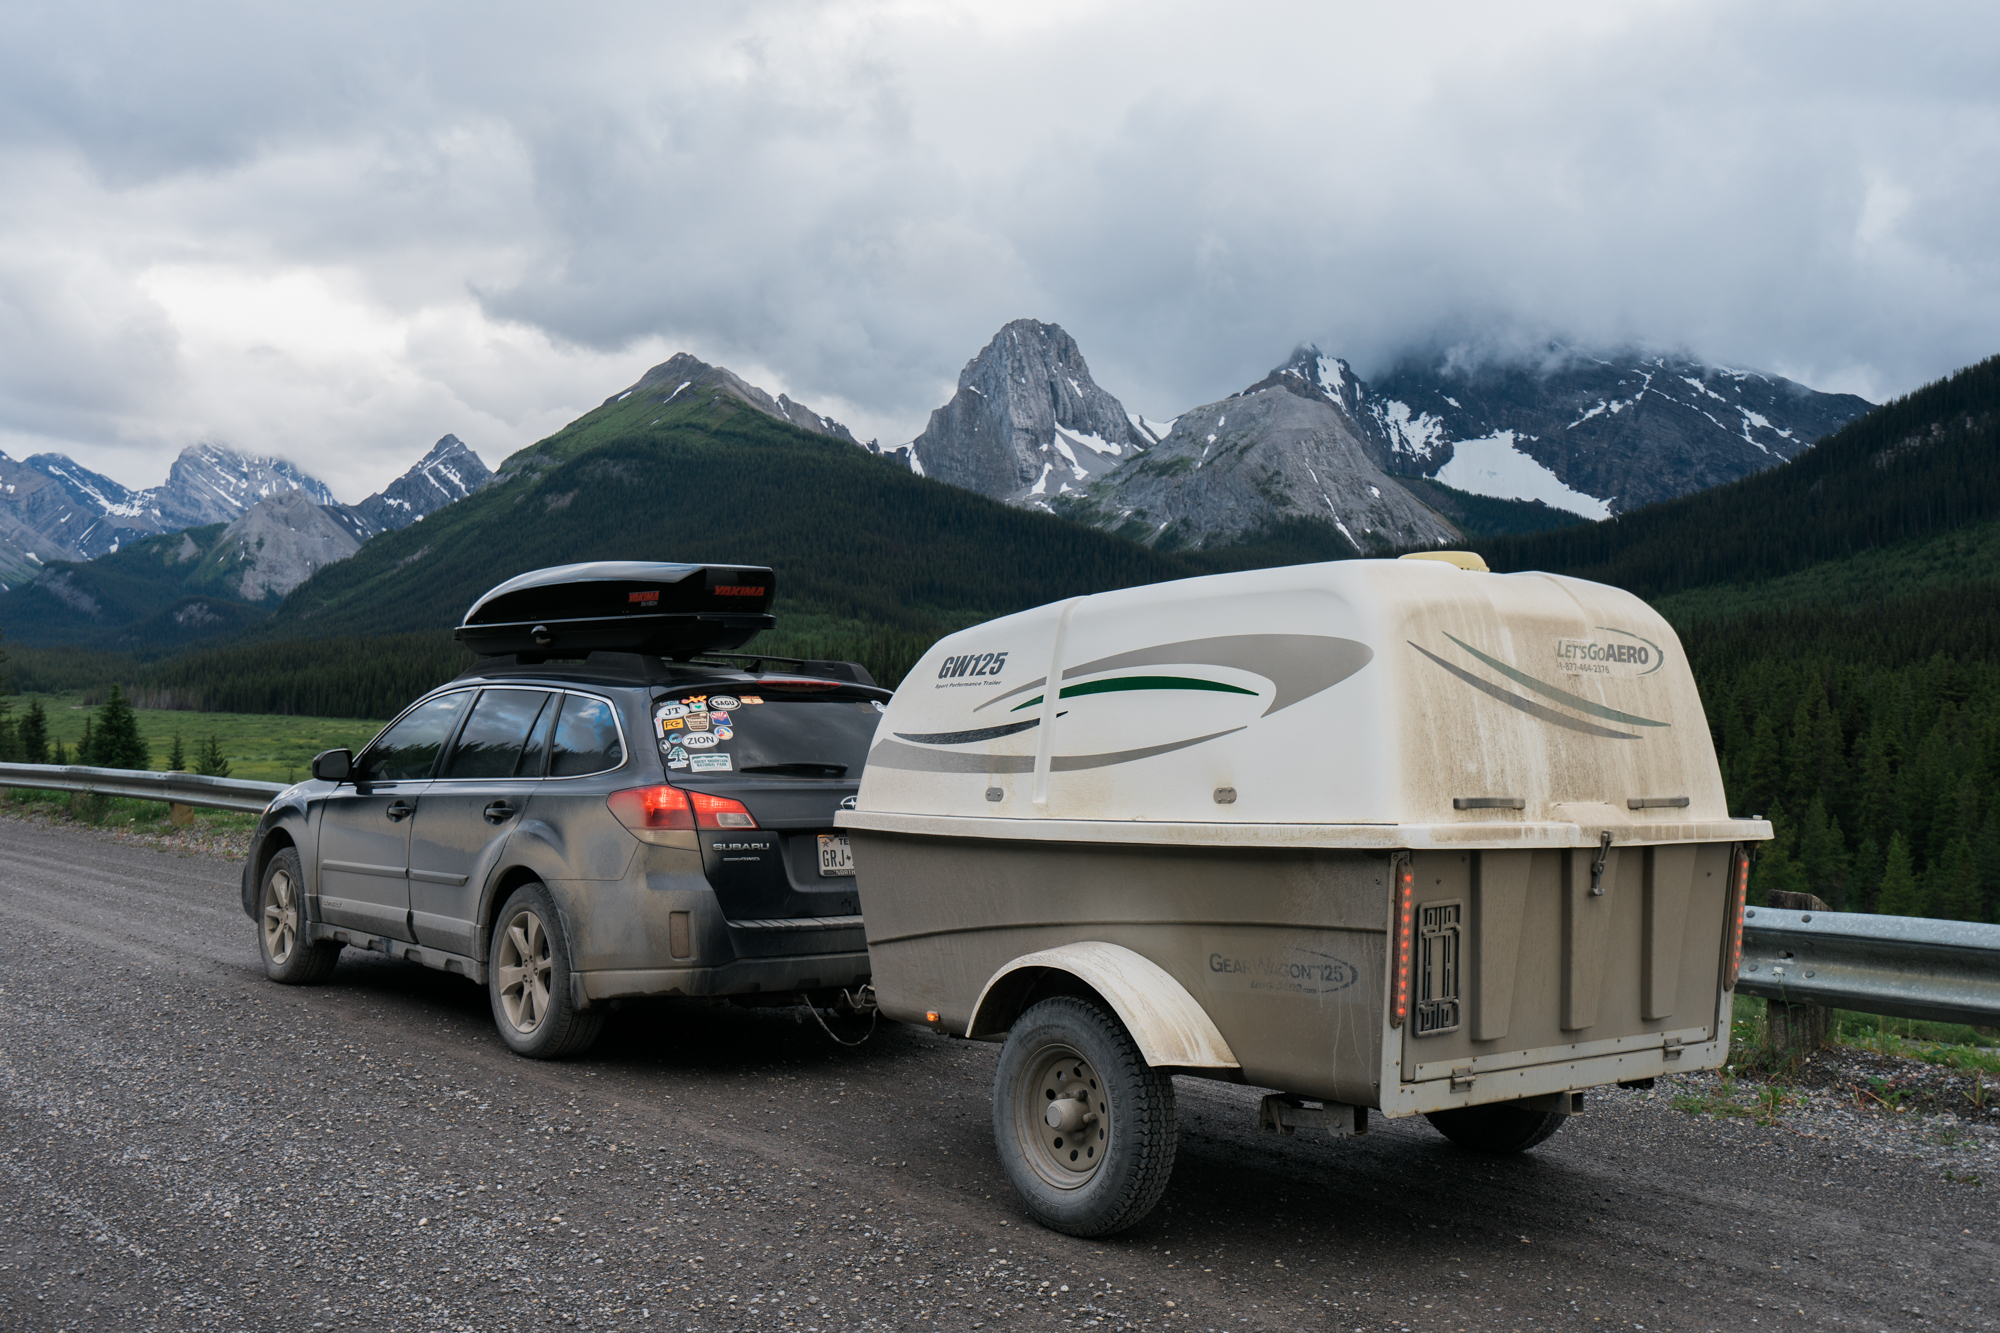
column 745, row 976
column 1507, row 1085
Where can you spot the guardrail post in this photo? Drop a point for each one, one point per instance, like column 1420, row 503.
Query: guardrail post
column 1795, row 1029
column 178, row 813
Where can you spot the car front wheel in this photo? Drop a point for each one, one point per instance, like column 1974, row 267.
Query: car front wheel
column 283, row 933
column 527, row 979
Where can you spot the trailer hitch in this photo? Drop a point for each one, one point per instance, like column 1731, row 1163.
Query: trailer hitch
column 859, row 1001
column 1597, row 866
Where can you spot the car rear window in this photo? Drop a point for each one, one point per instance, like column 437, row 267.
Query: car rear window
column 586, row 738
column 778, row 735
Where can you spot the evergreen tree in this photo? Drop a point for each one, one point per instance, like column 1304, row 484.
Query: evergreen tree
column 34, row 734
column 176, row 757
column 1899, row 894
column 1986, row 864
column 209, row 760
column 117, row 743
column 1823, row 853
column 1955, row 892
column 10, row 740
column 1775, row 870
column 85, row 752
column 1763, row 775
column 59, row 757
column 1865, row 879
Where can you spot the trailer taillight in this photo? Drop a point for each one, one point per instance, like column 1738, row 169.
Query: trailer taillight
column 1406, row 889
column 1740, row 896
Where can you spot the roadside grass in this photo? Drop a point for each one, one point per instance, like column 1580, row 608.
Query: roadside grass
column 1730, row 1098
column 123, row 812
column 262, row 747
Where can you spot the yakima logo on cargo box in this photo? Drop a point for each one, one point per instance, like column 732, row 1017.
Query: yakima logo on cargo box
column 738, row 590
column 972, row 664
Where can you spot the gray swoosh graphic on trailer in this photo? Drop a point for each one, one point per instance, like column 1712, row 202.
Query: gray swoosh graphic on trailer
column 895, row 754
column 1528, row 706
column 1299, row 665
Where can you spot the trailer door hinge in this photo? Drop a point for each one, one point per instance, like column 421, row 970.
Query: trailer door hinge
column 1462, row 1079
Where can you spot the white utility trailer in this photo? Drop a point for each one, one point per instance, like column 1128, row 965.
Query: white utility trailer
column 1395, row 836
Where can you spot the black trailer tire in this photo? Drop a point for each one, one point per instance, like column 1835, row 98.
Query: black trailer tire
column 1497, row 1128
column 527, row 980
column 1106, row 1170
column 283, row 933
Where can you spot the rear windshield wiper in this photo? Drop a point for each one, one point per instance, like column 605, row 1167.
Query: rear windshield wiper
column 797, row 770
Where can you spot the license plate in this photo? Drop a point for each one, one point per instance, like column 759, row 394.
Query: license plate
column 836, row 857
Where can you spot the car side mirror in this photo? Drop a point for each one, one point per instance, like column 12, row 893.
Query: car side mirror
column 333, row 765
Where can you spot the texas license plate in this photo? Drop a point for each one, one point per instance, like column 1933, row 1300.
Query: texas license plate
column 835, row 856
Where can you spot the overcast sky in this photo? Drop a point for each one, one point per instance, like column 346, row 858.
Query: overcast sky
column 335, row 232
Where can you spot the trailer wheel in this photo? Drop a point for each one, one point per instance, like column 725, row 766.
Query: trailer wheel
column 1497, row 1128
column 1085, row 1127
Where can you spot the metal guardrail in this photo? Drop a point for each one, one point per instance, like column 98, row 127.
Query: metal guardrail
column 1905, row 966
column 180, row 788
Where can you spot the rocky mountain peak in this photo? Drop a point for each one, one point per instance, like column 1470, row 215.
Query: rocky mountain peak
column 682, row 377
column 450, row 471
column 276, row 545
column 1311, row 373
column 1028, row 423
column 211, row 483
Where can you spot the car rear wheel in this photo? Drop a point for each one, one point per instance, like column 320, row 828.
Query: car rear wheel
column 527, row 979
column 1085, row 1127
column 1498, row 1128
column 283, row 933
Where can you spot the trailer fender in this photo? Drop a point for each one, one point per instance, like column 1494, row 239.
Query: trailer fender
column 1172, row 1030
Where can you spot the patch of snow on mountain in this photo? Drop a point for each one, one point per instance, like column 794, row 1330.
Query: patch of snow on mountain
column 1493, row 466
column 1097, row 444
column 1407, row 435
column 1595, row 411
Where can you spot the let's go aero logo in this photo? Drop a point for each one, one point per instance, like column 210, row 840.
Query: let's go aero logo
column 1619, row 653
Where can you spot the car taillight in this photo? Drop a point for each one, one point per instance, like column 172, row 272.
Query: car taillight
column 720, row 811
column 667, row 809
column 660, row 809
column 1406, row 887
column 1734, row 955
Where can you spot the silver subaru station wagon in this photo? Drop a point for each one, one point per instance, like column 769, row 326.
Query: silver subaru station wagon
column 648, row 818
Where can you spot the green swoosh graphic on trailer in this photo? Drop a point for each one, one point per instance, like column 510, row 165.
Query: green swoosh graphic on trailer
column 1575, row 701
column 1119, row 684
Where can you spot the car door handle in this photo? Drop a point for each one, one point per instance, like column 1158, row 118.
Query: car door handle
column 399, row 810
column 499, row 812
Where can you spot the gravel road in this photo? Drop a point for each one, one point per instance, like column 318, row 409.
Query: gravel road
column 186, row 1146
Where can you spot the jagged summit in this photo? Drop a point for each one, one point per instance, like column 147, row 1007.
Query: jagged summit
column 211, row 483
column 1027, row 423
column 450, row 471
column 682, row 375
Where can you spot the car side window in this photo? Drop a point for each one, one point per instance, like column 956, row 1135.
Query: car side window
column 410, row 748
column 495, row 734
column 535, row 759
column 586, row 738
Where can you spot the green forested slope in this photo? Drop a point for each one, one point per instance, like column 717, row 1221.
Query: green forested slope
column 1921, row 465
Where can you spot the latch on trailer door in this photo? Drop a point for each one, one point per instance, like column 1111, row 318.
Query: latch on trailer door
column 1463, row 1079
column 1670, row 1048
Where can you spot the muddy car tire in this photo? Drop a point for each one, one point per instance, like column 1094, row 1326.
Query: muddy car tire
column 290, row 957
column 1497, row 1128
column 527, row 980
column 1085, row 1127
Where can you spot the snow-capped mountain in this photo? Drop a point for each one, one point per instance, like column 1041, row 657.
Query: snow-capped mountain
column 1229, row 469
column 212, row 484
column 450, row 471
column 1028, row 423
column 52, row 508
column 1595, row 434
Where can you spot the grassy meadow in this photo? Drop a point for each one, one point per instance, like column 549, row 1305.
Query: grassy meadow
column 263, row 747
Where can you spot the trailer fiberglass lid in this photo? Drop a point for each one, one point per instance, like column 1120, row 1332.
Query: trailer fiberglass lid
column 673, row 610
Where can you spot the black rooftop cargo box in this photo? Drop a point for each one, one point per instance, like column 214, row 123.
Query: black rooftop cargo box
column 630, row 606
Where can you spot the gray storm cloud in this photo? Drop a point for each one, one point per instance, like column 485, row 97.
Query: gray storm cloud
column 337, row 233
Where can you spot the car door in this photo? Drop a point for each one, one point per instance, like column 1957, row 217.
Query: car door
column 581, row 835
column 471, row 808
column 364, row 837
